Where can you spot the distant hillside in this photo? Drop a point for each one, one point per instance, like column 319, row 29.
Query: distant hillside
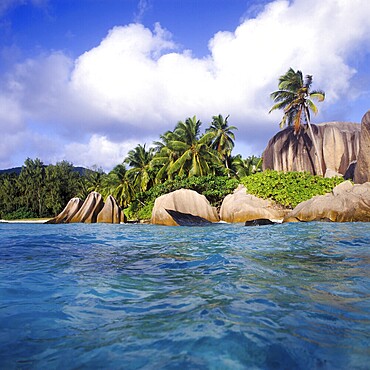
column 17, row 170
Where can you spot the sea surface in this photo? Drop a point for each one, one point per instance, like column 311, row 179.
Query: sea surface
column 290, row 296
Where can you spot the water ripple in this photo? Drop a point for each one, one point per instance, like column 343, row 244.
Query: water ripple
column 144, row 296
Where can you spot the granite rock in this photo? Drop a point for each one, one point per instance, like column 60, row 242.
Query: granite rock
column 346, row 203
column 68, row 212
column 184, row 201
column 241, row 207
column 111, row 212
column 362, row 170
column 90, row 209
column 338, row 144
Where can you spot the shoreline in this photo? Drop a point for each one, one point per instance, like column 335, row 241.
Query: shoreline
column 24, row 221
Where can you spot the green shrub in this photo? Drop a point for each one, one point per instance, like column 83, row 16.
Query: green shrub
column 288, row 188
column 19, row 214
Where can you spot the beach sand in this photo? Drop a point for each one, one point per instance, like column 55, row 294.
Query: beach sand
column 39, row 221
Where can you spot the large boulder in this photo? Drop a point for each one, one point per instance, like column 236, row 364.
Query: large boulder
column 346, row 203
column 184, row 201
column 68, row 212
column 241, row 207
column 90, row 209
column 111, row 212
column 362, row 170
column 338, row 144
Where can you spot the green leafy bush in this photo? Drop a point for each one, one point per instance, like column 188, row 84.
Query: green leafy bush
column 288, row 188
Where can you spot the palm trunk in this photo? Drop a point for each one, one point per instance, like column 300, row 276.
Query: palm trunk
column 316, row 147
column 227, row 167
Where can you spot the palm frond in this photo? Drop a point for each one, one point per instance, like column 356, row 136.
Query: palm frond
column 318, row 95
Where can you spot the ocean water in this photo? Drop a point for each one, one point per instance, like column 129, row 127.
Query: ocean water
column 291, row 296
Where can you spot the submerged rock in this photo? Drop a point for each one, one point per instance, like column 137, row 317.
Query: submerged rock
column 241, row 207
column 346, row 203
column 184, row 201
column 260, row 222
column 362, row 170
column 187, row 219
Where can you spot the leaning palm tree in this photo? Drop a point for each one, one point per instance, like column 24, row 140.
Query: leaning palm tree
column 296, row 99
column 140, row 172
column 222, row 137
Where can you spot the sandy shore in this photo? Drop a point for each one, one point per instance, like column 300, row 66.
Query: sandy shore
column 41, row 221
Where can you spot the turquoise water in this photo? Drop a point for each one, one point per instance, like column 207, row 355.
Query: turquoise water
column 291, row 296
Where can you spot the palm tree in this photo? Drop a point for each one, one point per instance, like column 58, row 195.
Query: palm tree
column 244, row 167
column 296, row 100
column 117, row 184
column 165, row 157
column 222, row 137
column 195, row 156
column 139, row 159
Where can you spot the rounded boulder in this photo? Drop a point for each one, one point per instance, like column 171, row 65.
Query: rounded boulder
column 346, row 203
column 184, row 201
column 241, row 207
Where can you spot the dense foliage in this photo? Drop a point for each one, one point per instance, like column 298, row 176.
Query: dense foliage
column 39, row 190
column 289, row 188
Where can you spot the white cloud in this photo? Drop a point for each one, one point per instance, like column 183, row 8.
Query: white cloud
column 137, row 83
column 142, row 8
column 98, row 151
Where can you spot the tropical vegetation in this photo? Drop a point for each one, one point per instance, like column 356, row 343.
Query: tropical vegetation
column 185, row 157
column 182, row 158
column 288, row 188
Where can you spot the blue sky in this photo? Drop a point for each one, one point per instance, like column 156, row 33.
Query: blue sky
column 87, row 80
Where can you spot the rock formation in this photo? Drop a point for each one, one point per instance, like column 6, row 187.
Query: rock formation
column 111, row 212
column 91, row 211
column 362, row 170
column 346, row 203
column 242, row 207
column 68, row 212
column 338, row 143
column 184, row 201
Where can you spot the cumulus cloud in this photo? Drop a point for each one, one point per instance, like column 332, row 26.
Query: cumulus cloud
column 99, row 151
column 137, row 82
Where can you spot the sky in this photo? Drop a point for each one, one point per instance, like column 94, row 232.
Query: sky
column 88, row 80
